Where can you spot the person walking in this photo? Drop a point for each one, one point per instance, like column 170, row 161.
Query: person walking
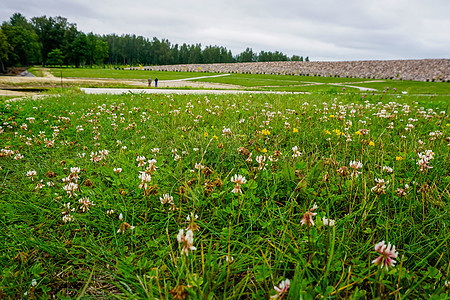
column 156, row 82
column 149, row 81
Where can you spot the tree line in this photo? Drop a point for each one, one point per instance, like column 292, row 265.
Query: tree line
column 55, row 41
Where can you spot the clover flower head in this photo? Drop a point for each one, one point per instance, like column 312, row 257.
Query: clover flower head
column 166, row 198
column 355, row 164
column 281, row 289
column 308, row 216
column 186, row 241
column 387, row 255
column 388, row 169
column 328, row 222
column 238, row 179
column 380, row 188
column 226, row 131
column 31, row 174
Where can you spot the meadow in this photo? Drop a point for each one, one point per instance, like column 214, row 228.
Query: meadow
column 328, row 195
column 289, row 83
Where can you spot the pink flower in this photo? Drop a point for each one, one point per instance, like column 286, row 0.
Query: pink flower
column 307, row 217
column 281, row 289
column 387, row 253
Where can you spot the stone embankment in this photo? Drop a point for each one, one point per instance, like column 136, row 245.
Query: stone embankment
column 418, row 70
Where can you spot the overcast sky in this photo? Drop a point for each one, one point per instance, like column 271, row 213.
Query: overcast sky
column 321, row 29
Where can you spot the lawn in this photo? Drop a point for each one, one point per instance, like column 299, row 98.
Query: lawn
column 225, row 197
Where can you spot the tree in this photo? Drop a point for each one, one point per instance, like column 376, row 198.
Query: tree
column 295, row 58
column 211, row 54
column 265, row 56
column 18, row 19
column 184, row 54
column 101, row 52
column 55, row 57
column 5, row 49
column 246, row 56
column 51, row 33
column 24, row 43
column 80, row 49
column 69, row 37
column 272, row 56
column 195, row 54
column 23, row 40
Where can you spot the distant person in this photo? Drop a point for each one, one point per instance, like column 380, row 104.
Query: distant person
column 156, row 82
column 149, row 81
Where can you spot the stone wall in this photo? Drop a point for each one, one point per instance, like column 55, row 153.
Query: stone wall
column 418, row 70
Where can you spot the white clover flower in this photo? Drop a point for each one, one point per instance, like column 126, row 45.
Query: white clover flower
column 67, row 218
column 388, row 169
column 186, row 241
column 166, row 198
column 328, row 222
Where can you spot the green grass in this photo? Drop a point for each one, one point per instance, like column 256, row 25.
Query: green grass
column 266, row 82
column 36, row 71
column 4, row 98
column 245, row 243
column 413, row 87
column 124, row 74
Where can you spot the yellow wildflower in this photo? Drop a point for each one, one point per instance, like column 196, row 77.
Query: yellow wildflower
column 264, row 150
column 294, row 130
column 215, row 137
column 398, row 158
column 358, row 133
column 371, row 143
column 337, row 131
column 331, row 116
column 265, row 132
column 205, row 134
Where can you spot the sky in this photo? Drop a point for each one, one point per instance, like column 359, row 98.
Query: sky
column 323, row 30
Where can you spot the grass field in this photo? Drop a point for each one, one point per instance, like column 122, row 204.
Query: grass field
column 262, row 82
column 225, row 197
column 124, row 74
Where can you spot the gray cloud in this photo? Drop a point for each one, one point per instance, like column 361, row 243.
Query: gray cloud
column 321, row 29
